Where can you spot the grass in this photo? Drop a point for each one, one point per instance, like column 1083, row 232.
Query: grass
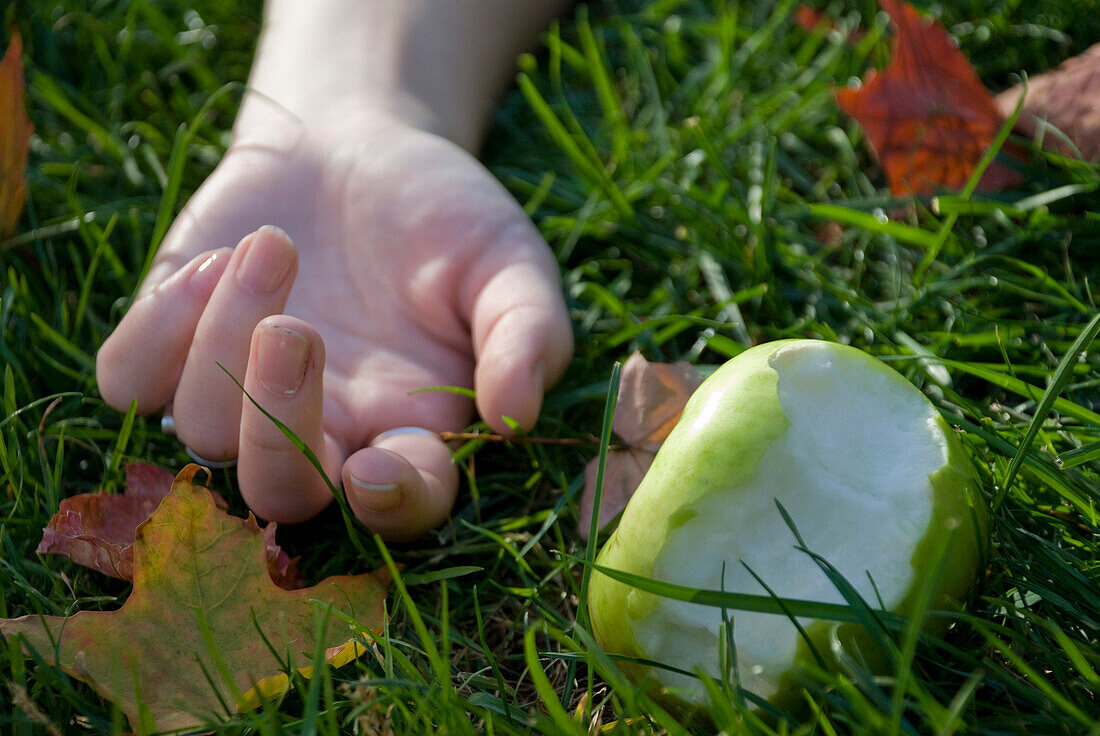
column 684, row 159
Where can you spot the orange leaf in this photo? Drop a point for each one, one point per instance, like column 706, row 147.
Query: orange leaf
column 15, row 134
column 927, row 116
column 651, row 399
column 204, row 625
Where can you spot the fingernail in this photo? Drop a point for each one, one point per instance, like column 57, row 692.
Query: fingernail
column 282, row 356
column 396, row 431
column 206, row 275
column 267, row 260
column 376, row 496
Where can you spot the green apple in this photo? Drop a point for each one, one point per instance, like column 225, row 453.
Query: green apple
column 868, row 470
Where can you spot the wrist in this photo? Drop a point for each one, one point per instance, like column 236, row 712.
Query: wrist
column 436, row 65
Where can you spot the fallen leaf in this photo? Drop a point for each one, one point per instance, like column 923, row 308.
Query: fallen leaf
column 811, row 20
column 97, row 529
column 651, row 399
column 1067, row 98
column 152, row 480
column 927, row 116
column 204, row 624
column 15, row 134
column 623, row 472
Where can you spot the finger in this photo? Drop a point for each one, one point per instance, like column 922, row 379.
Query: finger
column 142, row 359
column 522, row 337
column 207, row 404
column 403, row 485
column 285, row 365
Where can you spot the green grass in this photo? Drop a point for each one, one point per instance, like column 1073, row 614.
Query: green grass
column 683, row 159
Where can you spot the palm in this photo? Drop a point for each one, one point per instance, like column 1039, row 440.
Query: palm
column 406, row 246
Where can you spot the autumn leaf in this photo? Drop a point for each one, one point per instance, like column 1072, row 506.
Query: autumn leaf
column 15, row 134
column 97, row 529
column 1067, row 98
column 204, row 624
column 811, row 20
column 927, row 116
column 651, row 399
column 147, row 479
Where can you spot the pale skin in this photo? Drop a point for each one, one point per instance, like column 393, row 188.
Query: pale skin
column 349, row 250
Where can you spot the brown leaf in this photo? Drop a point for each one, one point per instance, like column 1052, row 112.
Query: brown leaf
column 152, row 480
column 651, row 399
column 189, row 637
column 1067, row 98
column 15, row 134
column 97, row 529
column 621, row 475
column 927, row 116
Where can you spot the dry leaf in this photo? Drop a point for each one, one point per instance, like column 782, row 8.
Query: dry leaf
column 147, row 479
column 15, row 134
column 204, row 625
column 97, row 529
column 927, row 116
column 1067, row 98
column 651, row 399
column 623, row 472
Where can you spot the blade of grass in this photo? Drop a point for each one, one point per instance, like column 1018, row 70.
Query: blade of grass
column 594, row 526
column 1061, row 377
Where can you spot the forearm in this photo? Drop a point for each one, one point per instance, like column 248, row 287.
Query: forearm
column 437, row 64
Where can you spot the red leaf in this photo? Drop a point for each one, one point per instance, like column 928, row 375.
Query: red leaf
column 1067, row 98
column 15, row 134
column 928, row 116
column 146, row 478
column 651, row 399
column 97, row 529
column 811, row 20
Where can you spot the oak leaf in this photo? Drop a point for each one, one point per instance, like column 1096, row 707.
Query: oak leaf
column 651, row 398
column 927, row 116
column 1067, row 98
column 15, row 134
column 205, row 625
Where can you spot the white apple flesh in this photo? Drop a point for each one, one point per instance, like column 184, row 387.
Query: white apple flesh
column 861, row 460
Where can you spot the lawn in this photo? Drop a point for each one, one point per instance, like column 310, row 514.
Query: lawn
column 672, row 153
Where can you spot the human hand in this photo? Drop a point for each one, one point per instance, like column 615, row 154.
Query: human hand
column 410, row 267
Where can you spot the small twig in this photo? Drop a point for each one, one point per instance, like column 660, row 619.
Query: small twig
column 574, row 441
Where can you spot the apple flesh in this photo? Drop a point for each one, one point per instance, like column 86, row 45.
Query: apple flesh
column 869, row 472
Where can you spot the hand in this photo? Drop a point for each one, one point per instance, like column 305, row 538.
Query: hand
column 410, row 267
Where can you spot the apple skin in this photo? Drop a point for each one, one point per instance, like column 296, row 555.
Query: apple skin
column 725, row 429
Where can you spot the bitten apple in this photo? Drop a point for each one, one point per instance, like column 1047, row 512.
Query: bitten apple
column 870, row 473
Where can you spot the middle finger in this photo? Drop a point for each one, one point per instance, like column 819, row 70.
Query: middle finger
column 207, row 406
